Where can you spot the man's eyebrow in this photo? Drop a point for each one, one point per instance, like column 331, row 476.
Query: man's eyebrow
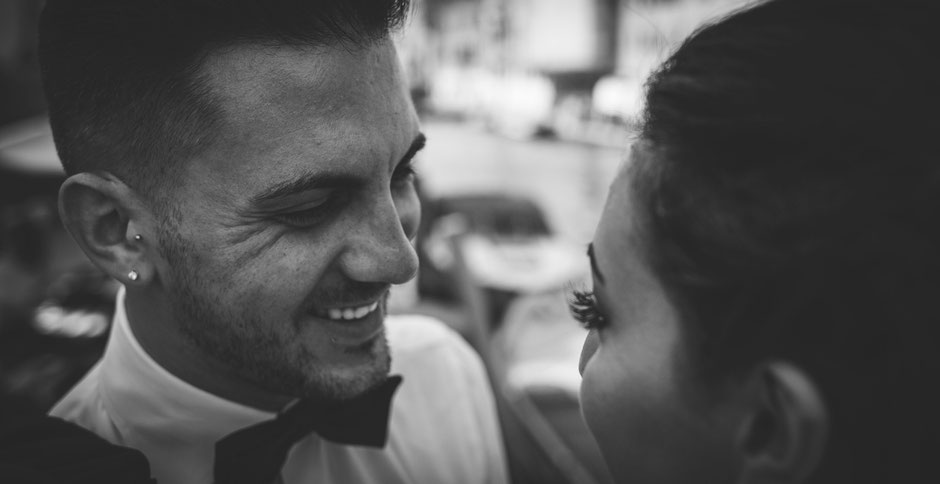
column 416, row 145
column 315, row 181
column 597, row 272
column 310, row 181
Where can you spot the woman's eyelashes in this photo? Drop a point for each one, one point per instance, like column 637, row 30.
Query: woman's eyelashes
column 583, row 306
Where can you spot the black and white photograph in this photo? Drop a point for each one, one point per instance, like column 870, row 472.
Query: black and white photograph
column 469, row 242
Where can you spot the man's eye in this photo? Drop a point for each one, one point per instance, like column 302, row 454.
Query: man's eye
column 404, row 172
column 308, row 215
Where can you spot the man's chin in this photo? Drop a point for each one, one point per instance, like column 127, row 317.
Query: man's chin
column 366, row 366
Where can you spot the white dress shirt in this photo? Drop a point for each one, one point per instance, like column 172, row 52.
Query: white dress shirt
column 443, row 426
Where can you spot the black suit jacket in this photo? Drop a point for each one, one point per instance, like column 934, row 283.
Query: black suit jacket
column 38, row 449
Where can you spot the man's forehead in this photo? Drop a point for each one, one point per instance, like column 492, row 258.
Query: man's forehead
column 252, row 78
column 288, row 112
column 267, row 91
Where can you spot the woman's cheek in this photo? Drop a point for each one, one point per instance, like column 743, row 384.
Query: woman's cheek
column 598, row 387
column 588, row 350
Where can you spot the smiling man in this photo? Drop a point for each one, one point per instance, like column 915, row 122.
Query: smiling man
column 245, row 170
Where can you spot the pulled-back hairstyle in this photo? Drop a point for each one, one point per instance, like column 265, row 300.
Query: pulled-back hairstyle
column 791, row 205
column 122, row 76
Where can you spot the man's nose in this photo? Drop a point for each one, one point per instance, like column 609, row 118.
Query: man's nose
column 379, row 249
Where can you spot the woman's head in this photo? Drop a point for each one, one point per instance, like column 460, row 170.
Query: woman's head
column 770, row 258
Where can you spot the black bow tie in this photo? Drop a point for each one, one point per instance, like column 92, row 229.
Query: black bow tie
column 255, row 455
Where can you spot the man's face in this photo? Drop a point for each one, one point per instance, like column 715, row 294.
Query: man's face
column 635, row 393
column 288, row 231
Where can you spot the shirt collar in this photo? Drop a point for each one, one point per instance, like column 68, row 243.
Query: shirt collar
column 139, row 389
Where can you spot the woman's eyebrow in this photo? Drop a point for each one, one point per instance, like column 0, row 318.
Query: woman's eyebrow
column 597, row 272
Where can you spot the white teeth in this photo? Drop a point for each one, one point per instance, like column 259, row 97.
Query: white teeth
column 349, row 314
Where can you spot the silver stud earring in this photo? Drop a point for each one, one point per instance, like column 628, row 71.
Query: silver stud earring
column 133, row 275
column 138, row 237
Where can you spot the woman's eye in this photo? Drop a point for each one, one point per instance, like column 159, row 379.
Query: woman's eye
column 583, row 306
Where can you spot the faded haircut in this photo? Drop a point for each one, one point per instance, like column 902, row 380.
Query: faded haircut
column 122, row 76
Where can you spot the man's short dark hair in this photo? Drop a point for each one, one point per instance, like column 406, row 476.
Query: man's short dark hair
column 122, row 76
column 791, row 207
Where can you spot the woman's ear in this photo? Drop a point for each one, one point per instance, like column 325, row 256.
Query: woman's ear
column 785, row 434
column 108, row 221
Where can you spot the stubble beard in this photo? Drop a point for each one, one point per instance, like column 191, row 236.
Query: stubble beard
column 274, row 361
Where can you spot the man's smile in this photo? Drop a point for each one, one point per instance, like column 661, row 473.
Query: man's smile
column 349, row 313
column 350, row 323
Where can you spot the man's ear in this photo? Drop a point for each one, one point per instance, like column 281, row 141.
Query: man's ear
column 785, row 434
column 108, row 221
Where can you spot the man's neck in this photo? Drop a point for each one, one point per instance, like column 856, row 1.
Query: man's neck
column 153, row 326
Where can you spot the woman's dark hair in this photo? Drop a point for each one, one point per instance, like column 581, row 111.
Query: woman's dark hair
column 790, row 191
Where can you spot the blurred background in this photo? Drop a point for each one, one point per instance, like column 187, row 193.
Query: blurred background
column 528, row 106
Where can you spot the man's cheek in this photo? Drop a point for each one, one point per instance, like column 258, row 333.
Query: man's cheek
column 409, row 212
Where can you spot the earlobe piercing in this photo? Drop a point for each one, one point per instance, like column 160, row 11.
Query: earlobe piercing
column 133, row 275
